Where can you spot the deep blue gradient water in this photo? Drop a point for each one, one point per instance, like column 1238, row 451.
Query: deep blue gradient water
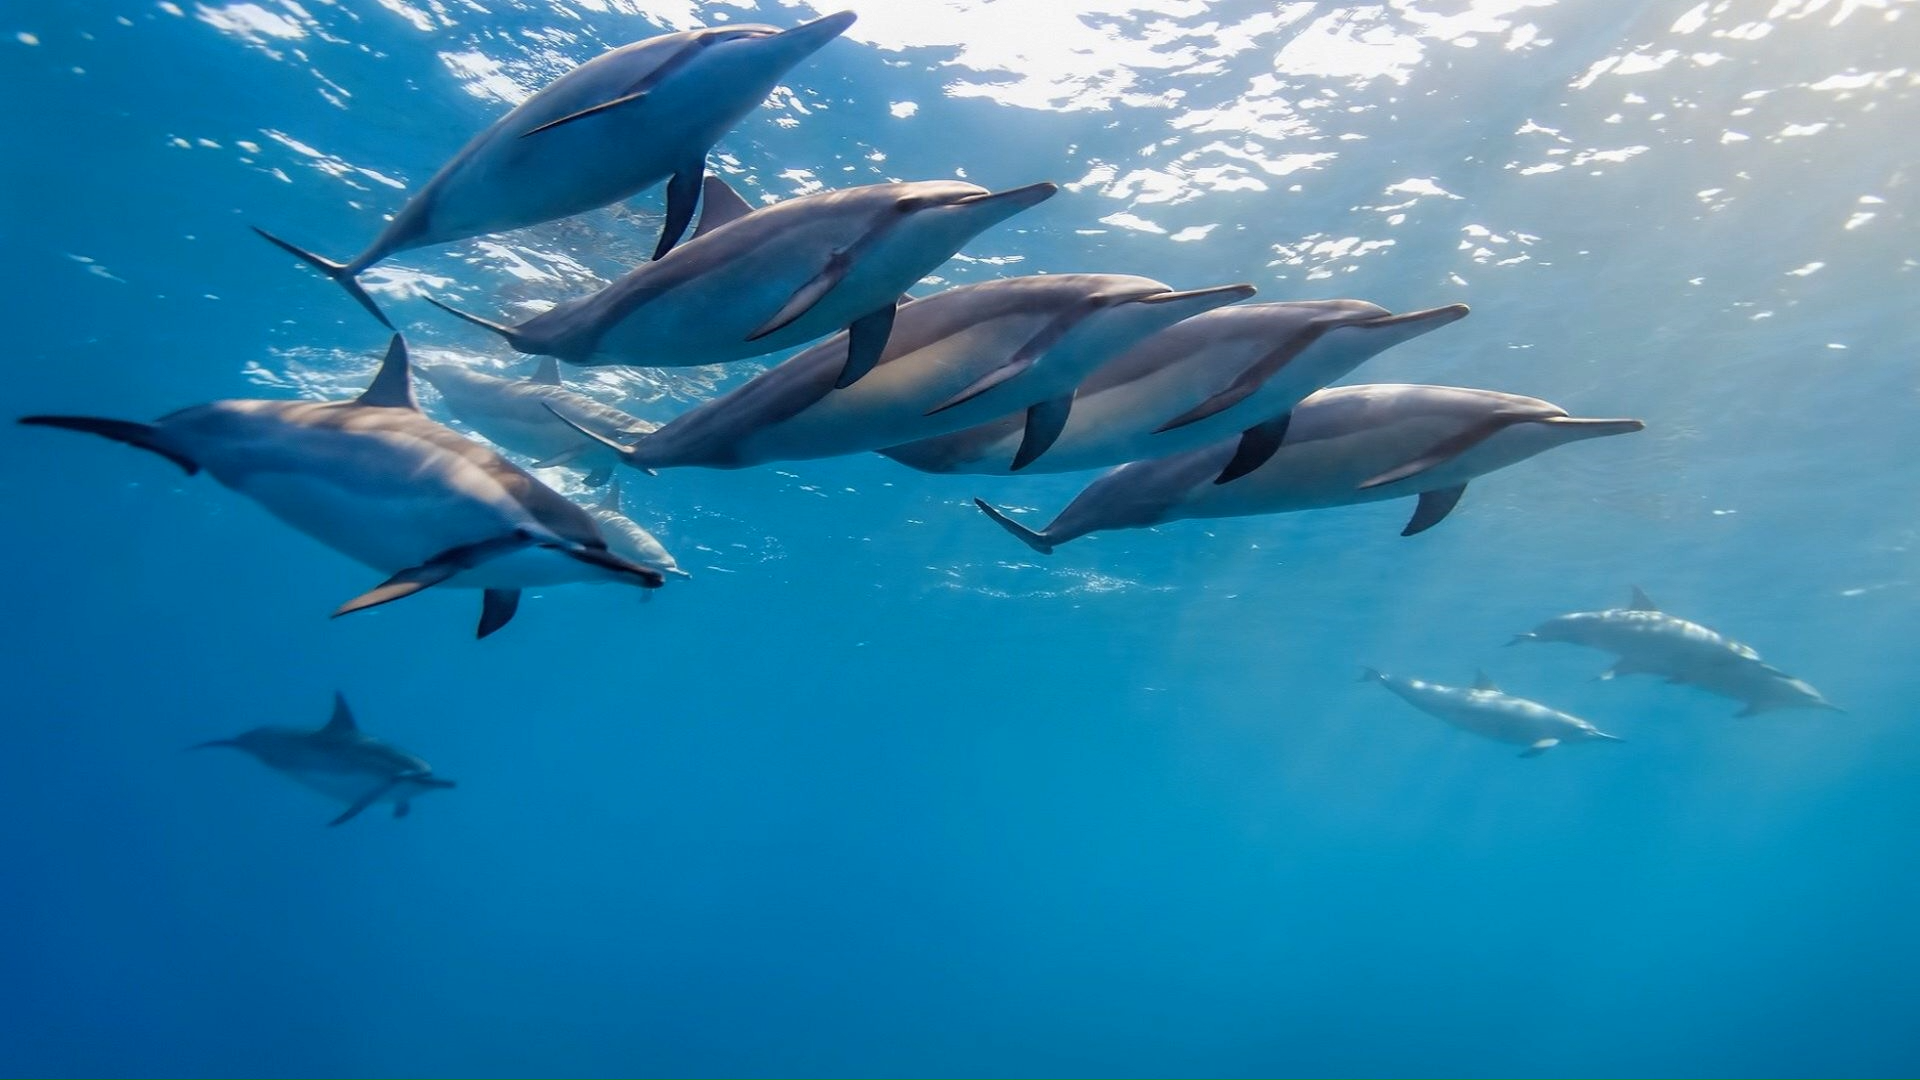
column 879, row 791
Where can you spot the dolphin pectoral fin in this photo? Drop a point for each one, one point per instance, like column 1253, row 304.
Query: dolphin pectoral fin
column 807, row 295
column 1034, row 540
column 562, row 458
column 1641, row 601
column 1045, row 421
column 1447, row 449
column 599, row 476
column 1540, row 747
column 1433, row 508
column 392, row 385
column 496, row 610
column 866, row 341
column 145, row 436
column 1258, row 444
column 683, row 194
column 338, row 271
column 984, row 383
column 591, row 110
column 372, row 796
column 1244, row 385
column 719, row 205
column 434, row 571
column 1033, row 349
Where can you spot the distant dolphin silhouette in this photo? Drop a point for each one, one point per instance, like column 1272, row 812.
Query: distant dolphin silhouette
column 519, row 414
column 339, row 761
column 752, row 282
column 605, row 131
column 1346, row 445
column 377, row 481
column 1651, row 642
column 1488, row 712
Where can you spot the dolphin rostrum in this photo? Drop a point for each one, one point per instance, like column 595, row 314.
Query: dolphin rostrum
column 1349, row 444
column 751, row 282
column 954, row 359
column 377, row 481
column 1486, row 711
column 339, row 761
column 627, row 539
column 1237, row 369
column 605, row 131
column 519, row 415
column 1649, row 641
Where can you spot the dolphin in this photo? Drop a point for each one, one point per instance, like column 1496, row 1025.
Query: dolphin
column 627, row 539
column 519, row 415
column 340, row 762
column 1345, row 445
column 605, row 131
column 752, row 282
column 954, row 359
column 1486, row 711
column 1649, row 641
column 1237, row 369
column 377, row 481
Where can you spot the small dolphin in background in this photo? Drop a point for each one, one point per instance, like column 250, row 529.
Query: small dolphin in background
column 1346, row 445
column 523, row 415
column 953, row 360
column 377, row 481
column 1234, row 369
column 1651, row 642
column 339, row 761
column 1486, row 711
column 752, row 282
column 607, row 130
column 628, row 540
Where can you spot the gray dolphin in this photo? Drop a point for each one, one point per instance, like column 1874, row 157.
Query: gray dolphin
column 1346, row 445
column 1649, row 641
column 377, row 481
column 751, row 282
column 627, row 539
column 1237, row 369
column 954, row 359
column 605, row 131
column 520, row 415
column 1486, row 711
column 339, row 761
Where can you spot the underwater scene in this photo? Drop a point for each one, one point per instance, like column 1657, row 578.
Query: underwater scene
column 961, row 538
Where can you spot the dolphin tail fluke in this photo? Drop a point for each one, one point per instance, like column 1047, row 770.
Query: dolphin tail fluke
column 145, row 436
column 338, row 271
column 1034, row 540
column 512, row 334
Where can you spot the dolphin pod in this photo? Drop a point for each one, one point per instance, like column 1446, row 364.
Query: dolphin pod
column 341, row 762
column 376, row 480
column 607, row 130
column 1347, row 445
column 753, row 282
column 954, row 359
column 1196, row 405
column 1649, row 641
column 1489, row 712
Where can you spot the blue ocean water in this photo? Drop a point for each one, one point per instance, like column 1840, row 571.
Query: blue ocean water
column 880, row 791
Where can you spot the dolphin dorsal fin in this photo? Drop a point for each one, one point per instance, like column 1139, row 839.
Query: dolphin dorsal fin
column 392, row 386
column 719, row 205
column 611, row 501
column 1641, row 601
column 341, row 723
column 548, row 373
column 1482, row 681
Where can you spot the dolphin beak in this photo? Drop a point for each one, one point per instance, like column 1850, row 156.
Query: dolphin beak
column 1424, row 320
column 1581, row 428
column 807, row 38
column 1020, row 198
column 1226, row 294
